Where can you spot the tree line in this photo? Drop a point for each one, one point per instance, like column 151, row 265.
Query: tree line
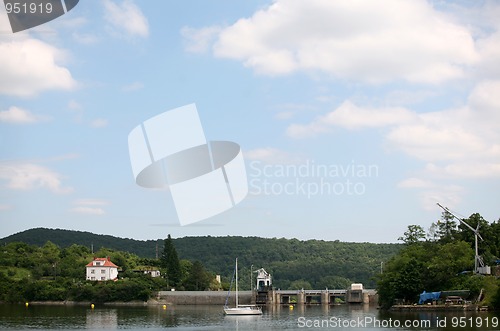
column 442, row 259
column 33, row 273
column 293, row 263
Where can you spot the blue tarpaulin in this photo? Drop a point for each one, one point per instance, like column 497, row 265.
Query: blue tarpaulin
column 426, row 296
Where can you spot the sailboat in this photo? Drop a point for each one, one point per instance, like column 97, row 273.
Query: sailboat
column 240, row 309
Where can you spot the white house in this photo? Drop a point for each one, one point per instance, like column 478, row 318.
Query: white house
column 263, row 279
column 147, row 270
column 101, row 268
column 154, row 273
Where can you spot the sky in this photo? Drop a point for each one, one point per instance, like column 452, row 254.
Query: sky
column 354, row 117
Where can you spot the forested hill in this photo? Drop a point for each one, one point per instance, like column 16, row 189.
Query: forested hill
column 318, row 263
column 66, row 238
column 293, row 263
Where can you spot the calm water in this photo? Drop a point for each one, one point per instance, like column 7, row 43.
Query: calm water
column 18, row 317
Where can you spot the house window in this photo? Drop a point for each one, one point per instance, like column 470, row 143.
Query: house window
column 103, row 278
column 92, row 271
column 92, row 278
column 103, row 271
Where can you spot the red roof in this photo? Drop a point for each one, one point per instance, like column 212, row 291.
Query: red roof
column 106, row 260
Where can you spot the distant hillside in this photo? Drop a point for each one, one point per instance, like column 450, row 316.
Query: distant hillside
column 293, row 263
column 66, row 238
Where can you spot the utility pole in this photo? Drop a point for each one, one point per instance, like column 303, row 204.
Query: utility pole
column 251, row 280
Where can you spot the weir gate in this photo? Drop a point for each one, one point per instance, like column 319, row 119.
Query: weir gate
column 327, row 297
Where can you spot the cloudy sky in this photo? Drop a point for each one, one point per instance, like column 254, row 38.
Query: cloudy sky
column 355, row 117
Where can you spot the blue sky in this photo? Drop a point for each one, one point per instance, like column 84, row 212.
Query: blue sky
column 354, row 117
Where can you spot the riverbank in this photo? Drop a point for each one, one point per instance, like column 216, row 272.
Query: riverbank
column 164, row 298
column 89, row 303
column 465, row 307
column 205, row 297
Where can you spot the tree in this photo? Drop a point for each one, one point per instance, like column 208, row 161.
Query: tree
column 170, row 261
column 446, row 228
column 300, row 285
column 465, row 234
column 198, row 279
column 430, row 266
column 414, row 234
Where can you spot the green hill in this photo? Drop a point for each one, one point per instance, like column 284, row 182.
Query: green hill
column 65, row 238
column 293, row 263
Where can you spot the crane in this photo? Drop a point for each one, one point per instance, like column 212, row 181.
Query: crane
column 479, row 266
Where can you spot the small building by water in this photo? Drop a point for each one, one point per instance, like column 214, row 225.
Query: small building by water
column 264, row 280
column 102, row 269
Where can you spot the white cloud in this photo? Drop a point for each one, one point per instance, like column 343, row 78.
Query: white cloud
column 431, row 192
column 29, row 176
column 127, row 17
column 466, row 140
column 199, row 40
column 414, row 182
column 30, row 66
column 89, row 206
column 436, row 143
column 408, row 97
column 284, row 115
column 450, row 196
column 5, row 207
column 88, row 210
column 350, row 116
column 99, row 123
column 460, row 143
column 73, row 23
column 74, row 105
column 18, row 116
column 79, row 116
column 467, row 169
column 133, row 87
column 289, row 110
column 91, row 202
column 371, row 41
column 85, row 38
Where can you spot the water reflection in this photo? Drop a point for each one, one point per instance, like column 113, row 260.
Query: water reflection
column 209, row 317
column 242, row 322
column 104, row 319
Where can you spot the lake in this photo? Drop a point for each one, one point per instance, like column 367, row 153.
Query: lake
column 344, row 317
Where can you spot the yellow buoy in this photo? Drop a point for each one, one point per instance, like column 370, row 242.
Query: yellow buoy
column 27, row 304
column 291, row 306
column 92, row 306
column 164, row 306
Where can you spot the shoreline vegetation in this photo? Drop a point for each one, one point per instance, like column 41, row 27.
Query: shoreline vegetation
column 55, row 270
column 441, row 259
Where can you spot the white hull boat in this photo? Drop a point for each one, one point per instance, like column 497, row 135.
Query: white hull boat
column 241, row 309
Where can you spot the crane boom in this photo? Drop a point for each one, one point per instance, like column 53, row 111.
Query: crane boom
column 476, row 231
column 479, row 266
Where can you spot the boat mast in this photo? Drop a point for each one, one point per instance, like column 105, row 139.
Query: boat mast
column 236, row 282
